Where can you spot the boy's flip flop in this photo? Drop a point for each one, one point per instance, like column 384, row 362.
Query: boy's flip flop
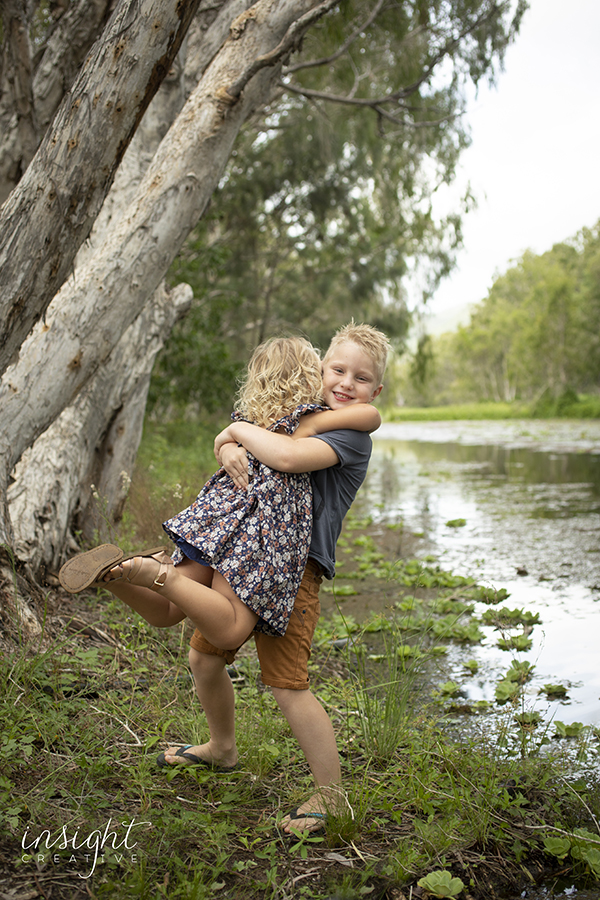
column 87, row 569
column 294, row 814
column 192, row 760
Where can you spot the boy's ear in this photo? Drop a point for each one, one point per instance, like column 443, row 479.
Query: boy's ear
column 376, row 392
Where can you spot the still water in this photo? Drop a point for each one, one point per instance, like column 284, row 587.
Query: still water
column 529, row 492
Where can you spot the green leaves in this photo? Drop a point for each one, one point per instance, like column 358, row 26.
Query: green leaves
column 441, row 884
column 534, row 337
column 325, row 206
column 582, row 845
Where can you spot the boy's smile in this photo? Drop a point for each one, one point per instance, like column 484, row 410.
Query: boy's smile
column 349, row 377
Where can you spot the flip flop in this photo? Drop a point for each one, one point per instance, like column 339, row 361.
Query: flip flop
column 87, row 569
column 193, row 760
column 294, row 814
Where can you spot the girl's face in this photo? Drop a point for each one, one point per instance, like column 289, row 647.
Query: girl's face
column 349, row 377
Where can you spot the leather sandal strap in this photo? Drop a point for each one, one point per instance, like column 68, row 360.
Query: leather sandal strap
column 161, row 578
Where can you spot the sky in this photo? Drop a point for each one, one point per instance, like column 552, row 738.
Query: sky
column 534, row 161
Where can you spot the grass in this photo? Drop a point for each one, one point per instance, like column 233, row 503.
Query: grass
column 85, row 812
column 569, row 406
column 463, row 798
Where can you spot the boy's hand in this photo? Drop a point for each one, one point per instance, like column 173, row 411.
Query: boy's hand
column 235, row 462
column 224, row 437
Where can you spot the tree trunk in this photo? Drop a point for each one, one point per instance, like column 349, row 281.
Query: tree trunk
column 102, row 451
column 18, row 130
column 92, row 311
column 93, row 442
column 51, row 211
column 78, row 346
column 39, row 83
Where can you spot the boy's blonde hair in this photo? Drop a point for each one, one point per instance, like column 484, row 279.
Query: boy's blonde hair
column 373, row 342
column 283, row 373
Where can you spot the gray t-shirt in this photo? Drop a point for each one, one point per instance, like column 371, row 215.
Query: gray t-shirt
column 334, row 490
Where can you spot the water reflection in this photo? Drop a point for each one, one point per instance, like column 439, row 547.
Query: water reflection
column 532, row 517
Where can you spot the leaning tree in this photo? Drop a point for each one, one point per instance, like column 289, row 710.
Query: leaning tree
column 117, row 126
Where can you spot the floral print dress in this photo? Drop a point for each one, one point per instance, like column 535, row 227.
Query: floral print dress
column 257, row 539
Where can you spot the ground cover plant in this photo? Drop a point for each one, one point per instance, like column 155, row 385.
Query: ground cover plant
column 445, row 796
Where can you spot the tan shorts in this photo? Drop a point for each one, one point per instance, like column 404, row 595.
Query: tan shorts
column 283, row 660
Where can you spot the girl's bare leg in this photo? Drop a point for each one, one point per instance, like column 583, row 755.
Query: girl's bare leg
column 216, row 694
column 155, row 609
column 224, row 620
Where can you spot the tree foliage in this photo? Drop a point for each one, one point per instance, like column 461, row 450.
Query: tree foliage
column 536, row 334
column 326, row 204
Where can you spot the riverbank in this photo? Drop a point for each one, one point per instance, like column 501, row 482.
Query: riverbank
column 567, row 406
column 84, row 717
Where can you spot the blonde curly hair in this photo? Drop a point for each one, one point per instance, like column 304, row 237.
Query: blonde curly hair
column 283, row 373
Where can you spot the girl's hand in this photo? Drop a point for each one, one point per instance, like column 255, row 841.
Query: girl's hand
column 235, row 462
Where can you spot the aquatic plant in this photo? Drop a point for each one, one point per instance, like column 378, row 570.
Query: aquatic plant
column 519, row 642
column 441, row 884
column 568, row 731
column 488, row 595
column 554, row 691
column 504, row 617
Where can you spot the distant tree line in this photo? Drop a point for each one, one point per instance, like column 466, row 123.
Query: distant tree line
column 535, row 337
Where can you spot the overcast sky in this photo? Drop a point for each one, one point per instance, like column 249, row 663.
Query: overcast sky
column 535, row 155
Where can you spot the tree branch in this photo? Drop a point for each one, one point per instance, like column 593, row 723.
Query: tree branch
column 325, row 60
column 376, row 104
column 287, row 43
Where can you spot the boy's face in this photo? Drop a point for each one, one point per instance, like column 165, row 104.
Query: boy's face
column 349, row 377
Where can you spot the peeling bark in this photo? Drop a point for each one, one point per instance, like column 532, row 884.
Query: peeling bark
column 52, row 482
column 51, row 211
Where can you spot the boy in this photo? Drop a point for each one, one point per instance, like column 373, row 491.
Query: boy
column 353, row 369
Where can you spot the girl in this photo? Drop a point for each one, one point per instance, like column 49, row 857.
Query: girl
column 240, row 555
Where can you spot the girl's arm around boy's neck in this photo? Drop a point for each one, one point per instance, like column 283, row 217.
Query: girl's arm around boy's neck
column 357, row 417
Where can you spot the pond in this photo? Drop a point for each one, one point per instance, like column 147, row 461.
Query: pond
column 529, row 495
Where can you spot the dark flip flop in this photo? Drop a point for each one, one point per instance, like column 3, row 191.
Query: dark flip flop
column 193, row 760
column 294, row 814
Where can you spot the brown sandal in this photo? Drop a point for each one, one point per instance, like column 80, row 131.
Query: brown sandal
column 137, row 574
column 88, row 569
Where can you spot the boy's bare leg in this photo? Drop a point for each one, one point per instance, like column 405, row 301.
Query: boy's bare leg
column 216, row 694
column 314, row 732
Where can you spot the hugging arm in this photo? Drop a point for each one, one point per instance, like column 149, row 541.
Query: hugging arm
column 288, row 453
column 357, row 417
column 279, row 451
